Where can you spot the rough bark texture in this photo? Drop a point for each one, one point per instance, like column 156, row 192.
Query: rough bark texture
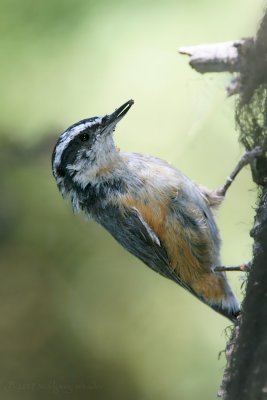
column 245, row 377
column 247, row 366
column 248, row 363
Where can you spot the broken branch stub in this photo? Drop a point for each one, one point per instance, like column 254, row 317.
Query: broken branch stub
column 220, row 57
column 217, row 57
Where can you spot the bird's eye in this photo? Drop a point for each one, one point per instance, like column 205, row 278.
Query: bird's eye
column 84, row 137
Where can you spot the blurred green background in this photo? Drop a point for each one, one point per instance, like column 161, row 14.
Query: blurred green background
column 80, row 317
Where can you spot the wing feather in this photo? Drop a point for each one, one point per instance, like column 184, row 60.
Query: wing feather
column 131, row 230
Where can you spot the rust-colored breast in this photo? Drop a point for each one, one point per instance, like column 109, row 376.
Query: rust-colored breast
column 154, row 213
column 176, row 241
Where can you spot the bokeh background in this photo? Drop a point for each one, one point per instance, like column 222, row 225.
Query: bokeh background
column 80, row 317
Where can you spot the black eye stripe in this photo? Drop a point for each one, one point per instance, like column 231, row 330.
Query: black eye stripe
column 60, row 172
column 82, row 142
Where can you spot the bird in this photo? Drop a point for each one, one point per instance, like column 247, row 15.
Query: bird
column 150, row 207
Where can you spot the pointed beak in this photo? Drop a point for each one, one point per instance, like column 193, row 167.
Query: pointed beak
column 119, row 113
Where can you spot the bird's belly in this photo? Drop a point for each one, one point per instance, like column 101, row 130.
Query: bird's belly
column 190, row 249
column 175, row 210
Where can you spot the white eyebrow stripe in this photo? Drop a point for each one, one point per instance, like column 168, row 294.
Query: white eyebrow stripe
column 67, row 136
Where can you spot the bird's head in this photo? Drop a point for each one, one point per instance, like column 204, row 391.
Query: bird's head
column 86, row 147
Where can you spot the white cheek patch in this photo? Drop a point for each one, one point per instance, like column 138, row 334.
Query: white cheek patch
column 103, row 154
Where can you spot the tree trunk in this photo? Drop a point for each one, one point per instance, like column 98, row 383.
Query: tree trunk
column 248, row 363
column 245, row 377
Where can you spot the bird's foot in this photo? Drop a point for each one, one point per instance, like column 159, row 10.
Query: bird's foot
column 241, row 268
column 247, row 158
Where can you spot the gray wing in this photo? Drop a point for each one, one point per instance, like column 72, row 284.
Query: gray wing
column 135, row 235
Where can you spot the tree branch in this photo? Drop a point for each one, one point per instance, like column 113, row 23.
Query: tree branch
column 219, row 57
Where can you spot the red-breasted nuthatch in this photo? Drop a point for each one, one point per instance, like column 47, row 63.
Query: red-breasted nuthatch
column 151, row 208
